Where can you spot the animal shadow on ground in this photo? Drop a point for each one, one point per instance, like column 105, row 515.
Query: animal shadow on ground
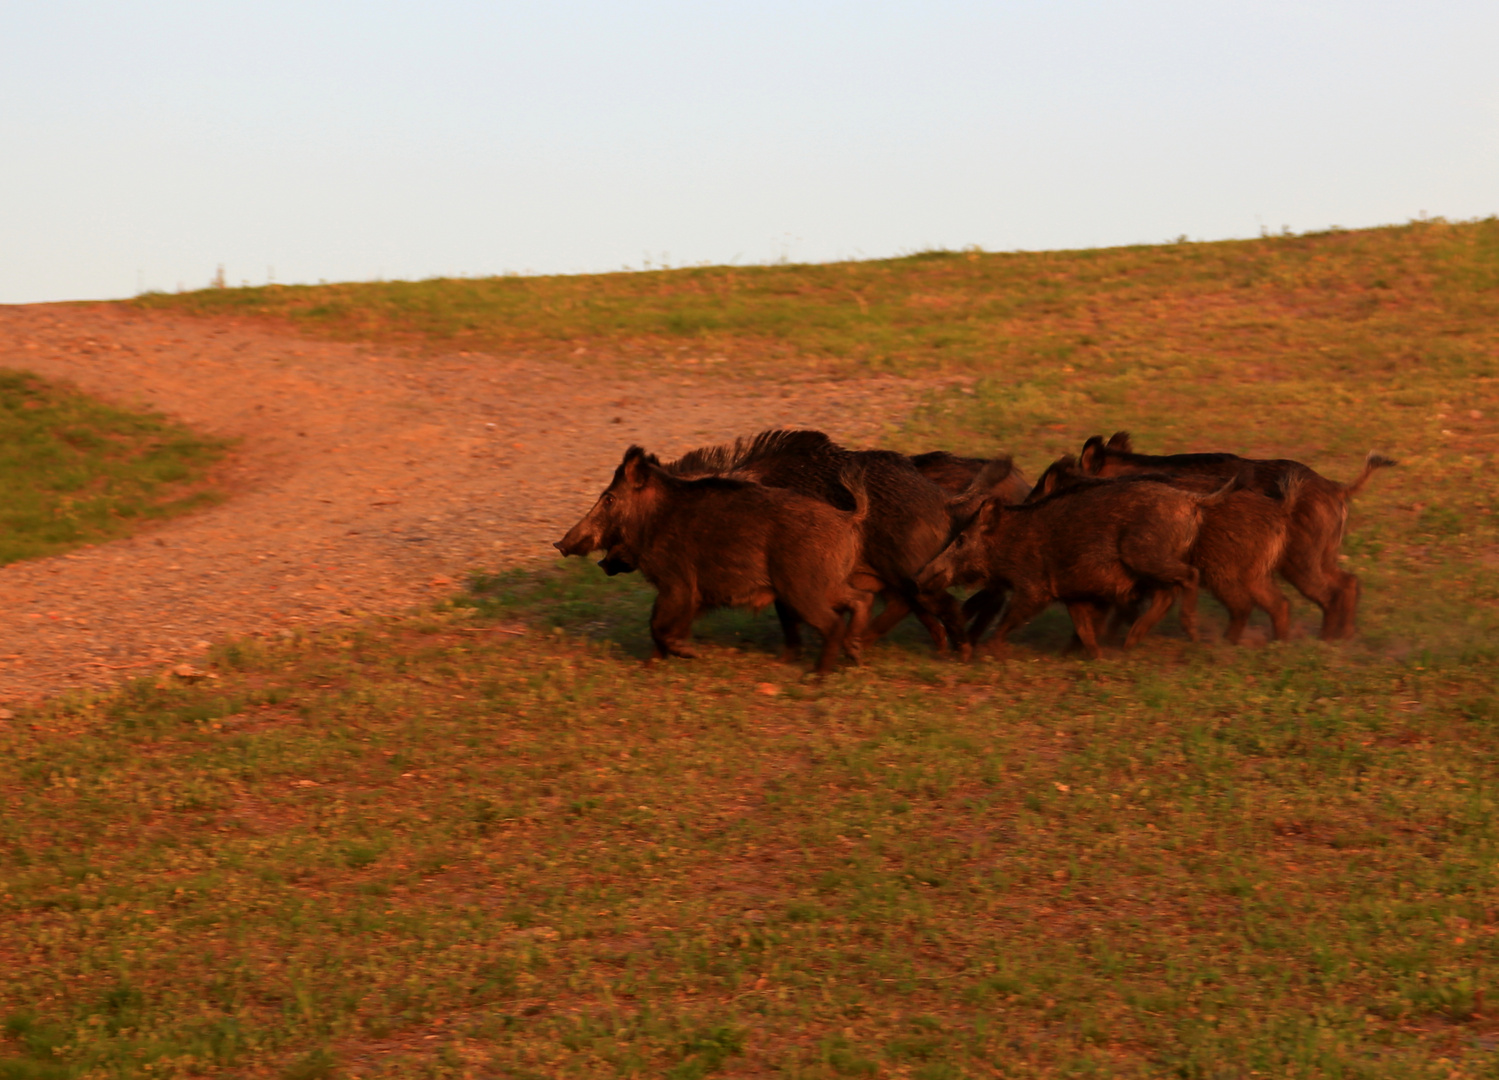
column 583, row 602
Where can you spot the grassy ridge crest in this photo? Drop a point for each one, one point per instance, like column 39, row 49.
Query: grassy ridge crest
column 958, row 311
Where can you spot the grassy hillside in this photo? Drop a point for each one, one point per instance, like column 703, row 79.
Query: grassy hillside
column 1370, row 295
column 487, row 841
column 75, row 471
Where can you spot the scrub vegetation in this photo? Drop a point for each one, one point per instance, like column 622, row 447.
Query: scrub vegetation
column 486, row 840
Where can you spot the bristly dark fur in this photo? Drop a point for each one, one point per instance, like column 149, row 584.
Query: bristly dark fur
column 731, row 457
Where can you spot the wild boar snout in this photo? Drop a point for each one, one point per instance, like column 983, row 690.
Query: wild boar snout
column 580, row 539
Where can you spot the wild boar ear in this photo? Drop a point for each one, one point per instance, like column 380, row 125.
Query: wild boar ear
column 1120, row 441
column 990, row 513
column 637, row 466
column 1091, row 459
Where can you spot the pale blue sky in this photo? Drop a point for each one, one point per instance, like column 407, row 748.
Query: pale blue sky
column 145, row 142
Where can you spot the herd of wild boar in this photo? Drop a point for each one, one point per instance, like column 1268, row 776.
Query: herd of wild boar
column 791, row 518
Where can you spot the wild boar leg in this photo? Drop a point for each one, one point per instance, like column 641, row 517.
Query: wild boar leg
column 1241, row 598
column 1023, row 607
column 1085, row 618
column 897, row 607
column 982, row 607
column 1187, row 612
column 1310, row 564
column 947, row 609
column 935, row 628
column 1180, row 575
column 671, row 623
column 829, row 623
column 1312, row 583
column 859, row 605
column 791, row 630
column 1237, row 597
column 1123, row 616
column 1345, row 607
column 1274, row 604
column 895, row 610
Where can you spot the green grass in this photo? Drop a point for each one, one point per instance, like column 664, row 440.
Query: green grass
column 74, row 471
column 486, row 840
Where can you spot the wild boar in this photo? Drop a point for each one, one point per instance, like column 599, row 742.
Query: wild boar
column 908, row 523
column 719, row 542
column 1317, row 521
column 1088, row 547
column 1241, row 542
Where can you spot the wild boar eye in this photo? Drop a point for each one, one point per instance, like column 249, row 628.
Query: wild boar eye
column 608, row 499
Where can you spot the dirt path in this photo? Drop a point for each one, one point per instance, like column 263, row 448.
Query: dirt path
column 365, row 480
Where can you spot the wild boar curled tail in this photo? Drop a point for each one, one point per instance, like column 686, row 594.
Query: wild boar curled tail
column 1372, row 462
column 1236, row 482
column 1290, row 490
column 851, row 476
column 964, row 507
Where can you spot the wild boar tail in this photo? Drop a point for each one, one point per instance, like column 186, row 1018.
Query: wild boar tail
column 994, row 473
column 1235, row 483
column 961, row 508
column 1290, row 490
column 851, row 476
column 1374, row 461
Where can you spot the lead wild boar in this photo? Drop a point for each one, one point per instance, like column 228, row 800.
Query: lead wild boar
column 724, row 542
column 1088, row 548
column 1317, row 522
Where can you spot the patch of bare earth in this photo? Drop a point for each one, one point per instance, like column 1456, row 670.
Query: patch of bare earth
column 364, row 480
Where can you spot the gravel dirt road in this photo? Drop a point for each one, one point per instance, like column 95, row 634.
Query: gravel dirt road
column 363, row 481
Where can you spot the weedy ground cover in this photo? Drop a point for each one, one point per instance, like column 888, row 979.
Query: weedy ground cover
column 74, row 470
column 486, row 840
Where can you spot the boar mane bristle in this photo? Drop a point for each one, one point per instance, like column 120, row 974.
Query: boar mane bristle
column 728, row 457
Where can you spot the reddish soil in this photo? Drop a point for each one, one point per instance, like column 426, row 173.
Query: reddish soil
column 364, row 479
